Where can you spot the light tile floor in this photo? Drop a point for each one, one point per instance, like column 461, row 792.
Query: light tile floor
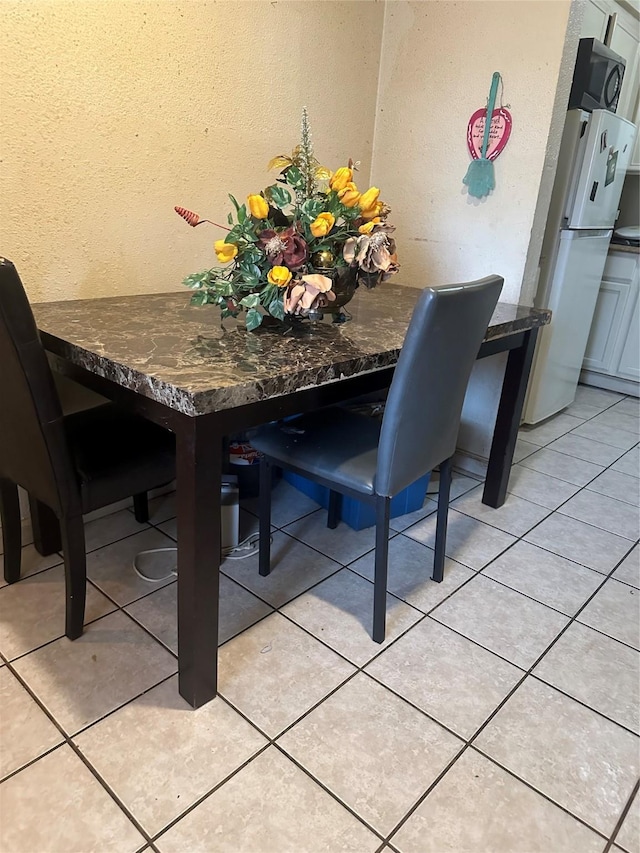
column 500, row 716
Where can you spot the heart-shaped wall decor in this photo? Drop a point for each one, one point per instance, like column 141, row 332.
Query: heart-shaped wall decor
column 498, row 134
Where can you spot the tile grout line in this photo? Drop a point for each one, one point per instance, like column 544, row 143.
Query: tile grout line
column 470, row 742
column 149, row 526
column 210, row 792
column 622, row 818
column 117, row 608
column 271, row 742
column 584, row 704
column 581, row 488
column 361, row 669
column 67, row 741
column 550, row 512
column 521, row 681
column 608, row 408
column 519, row 538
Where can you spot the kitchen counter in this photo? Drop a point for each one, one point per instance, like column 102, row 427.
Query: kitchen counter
column 618, row 247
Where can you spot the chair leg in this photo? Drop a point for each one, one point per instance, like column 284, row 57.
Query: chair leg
column 335, row 504
column 11, row 529
column 264, row 510
column 141, row 507
column 45, row 527
column 75, row 573
column 444, row 490
column 383, row 507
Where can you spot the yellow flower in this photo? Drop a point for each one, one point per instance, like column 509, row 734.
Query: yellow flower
column 349, row 196
column 367, row 228
column 225, row 251
column 280, row 276
column 341, row 178
column 373, row 212
column 258, row 206
column 368, row 202
column 321, row 226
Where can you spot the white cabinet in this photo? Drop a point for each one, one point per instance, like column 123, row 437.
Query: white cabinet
column 596, row 18
column 629, row 364
column 608, row 317
column 634, row 165
column 625, row 40
column 612, row 359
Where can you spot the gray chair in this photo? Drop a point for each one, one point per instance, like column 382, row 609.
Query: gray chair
column 354, row 455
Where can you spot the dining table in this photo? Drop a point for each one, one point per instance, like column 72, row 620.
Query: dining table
column 182, row 367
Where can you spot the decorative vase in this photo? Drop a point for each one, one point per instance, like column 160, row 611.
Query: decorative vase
column 345, row 283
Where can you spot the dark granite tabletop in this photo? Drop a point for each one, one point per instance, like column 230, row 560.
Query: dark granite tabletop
column 181, row 355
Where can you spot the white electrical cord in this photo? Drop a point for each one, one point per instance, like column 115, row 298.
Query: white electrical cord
column 250, row 545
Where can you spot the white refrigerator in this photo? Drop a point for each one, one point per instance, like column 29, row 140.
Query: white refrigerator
column 594, row 154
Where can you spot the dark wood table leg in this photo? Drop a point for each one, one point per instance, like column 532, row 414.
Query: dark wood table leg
column 199, row 468
column 46, row 528
column 505, row 434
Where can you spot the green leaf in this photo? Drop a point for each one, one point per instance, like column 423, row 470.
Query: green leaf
column 234, row 202
column 294, row 177
column 268, row 294
column 230, row 219
column 227, row 312
column 197, row 280
column 253, row 319
column 247, row 281
column 234, row 235
column 249, row 230
column 252, row 255
column 276, row 309
column 280, row 196
column 251, row 301
column 226, row 289
column 311, row 208
column 199, row 298
column 242, row 213
column 248, row 267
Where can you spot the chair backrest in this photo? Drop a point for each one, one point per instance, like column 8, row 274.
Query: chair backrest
column 33, row 447
column 422, row 413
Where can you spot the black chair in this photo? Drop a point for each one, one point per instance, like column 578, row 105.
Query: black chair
column 69, row 465
column 355, row 455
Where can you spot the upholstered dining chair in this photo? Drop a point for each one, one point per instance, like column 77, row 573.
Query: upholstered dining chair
column 355, row 455
column 70, row 465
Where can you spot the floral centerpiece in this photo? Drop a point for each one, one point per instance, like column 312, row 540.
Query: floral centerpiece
column 301, row 246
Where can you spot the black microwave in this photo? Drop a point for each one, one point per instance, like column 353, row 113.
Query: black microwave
column 597, row 77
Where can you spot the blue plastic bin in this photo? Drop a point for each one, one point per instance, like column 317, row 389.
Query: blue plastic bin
column 356, row 514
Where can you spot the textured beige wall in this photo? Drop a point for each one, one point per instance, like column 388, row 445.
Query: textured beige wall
column 437, row 61
column 115, row 111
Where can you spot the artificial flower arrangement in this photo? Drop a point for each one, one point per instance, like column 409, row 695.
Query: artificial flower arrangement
column 288, row 248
